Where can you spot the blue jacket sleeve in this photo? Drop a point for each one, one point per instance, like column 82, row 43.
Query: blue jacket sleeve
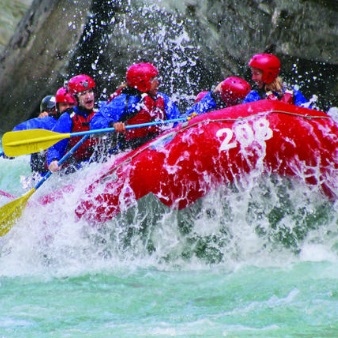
column 170, row 107
column 116, row 109
column 102, row 118
column 111, row 112
column 298, row 98
column 252, row 97
column 47, row 122
column 63, row 125
column 206, row 104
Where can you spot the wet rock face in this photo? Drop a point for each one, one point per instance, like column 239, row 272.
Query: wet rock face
column 194, row 43
column 11, row 13
column 34, row 62
column 304, row 29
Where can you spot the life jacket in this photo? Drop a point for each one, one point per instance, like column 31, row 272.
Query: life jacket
column 81, row 123
column 149, row 109
column 287, row 96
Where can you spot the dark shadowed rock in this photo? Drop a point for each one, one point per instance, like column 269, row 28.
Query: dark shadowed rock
column 11, row 13
column 37, row 56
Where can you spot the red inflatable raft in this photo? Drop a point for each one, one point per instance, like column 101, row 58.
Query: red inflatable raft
column 218, row 148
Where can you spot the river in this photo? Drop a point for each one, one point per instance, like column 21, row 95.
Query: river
column 141, row 275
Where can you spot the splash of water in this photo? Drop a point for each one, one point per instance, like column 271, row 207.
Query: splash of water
column 266, row 221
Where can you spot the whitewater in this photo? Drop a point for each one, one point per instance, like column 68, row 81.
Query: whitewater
column 257, row 260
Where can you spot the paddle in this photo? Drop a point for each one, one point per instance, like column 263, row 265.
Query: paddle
column 11, row 211
column 16, row 143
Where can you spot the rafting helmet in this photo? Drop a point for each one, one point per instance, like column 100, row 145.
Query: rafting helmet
column 63, row 96
column 80, row 83
column 269, row 64
column 200, row 95
column 139, row 76
column 47, row 103
column 234, row 89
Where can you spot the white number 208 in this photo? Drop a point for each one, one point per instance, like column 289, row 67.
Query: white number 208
column 245, row 134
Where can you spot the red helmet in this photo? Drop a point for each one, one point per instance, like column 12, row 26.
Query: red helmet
column 80, row 83
column 200, row 95
column 234, row 89
column 63, row 96
column 139, row 75
column 269, row 64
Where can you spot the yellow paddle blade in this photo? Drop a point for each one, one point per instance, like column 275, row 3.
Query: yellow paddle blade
column 11, row 211
column 16, row 143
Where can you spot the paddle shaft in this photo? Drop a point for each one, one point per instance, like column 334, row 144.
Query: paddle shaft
column 30, row 141
column 11, row 211
column 133, row 126
column 62, row 160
